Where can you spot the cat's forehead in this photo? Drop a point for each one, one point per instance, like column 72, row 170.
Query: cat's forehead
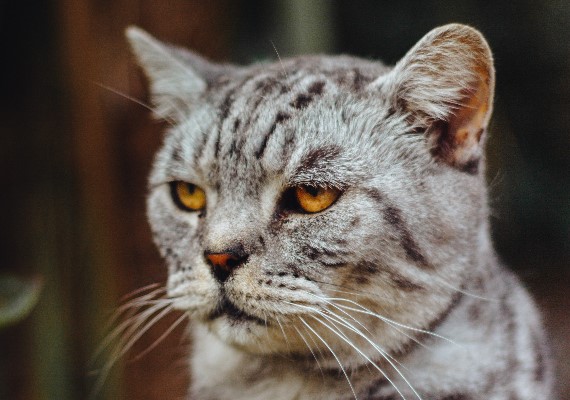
column 284, row 120
column 298, row 79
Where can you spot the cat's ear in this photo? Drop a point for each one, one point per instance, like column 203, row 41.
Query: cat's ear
column 177, row 77
column 445, row 85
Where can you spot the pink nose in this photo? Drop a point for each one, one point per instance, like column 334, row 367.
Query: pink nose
column 224, row 263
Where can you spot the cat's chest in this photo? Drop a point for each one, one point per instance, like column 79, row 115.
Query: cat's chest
column 221, row 372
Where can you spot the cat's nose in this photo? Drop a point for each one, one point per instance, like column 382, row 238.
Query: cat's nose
column 224, row 263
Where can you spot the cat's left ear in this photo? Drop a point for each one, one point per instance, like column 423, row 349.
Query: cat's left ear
column 177, row 77
column 445, row 85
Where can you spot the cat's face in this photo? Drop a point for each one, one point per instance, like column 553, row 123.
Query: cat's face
column 295, row 199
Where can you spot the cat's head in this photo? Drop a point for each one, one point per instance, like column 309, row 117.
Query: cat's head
column 292, row 199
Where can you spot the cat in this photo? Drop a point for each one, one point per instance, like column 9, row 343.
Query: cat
column 324, row 221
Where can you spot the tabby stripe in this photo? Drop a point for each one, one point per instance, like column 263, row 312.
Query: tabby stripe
column 403, row 283
column 228, row 101
column 376, row 386
column 316, row 88
column 288, row 146
column 233, row 148
column 261, row 150
column 252, row 114
column 225, row 108
column 317, row 157
column 266, row 86
column 263, row 87
column 511, row 332
column 363, row 270
column 217, row 144
column 280, row 117
column 237, row 145
column 261, row 241
column 355, row 79
column 411, row 345
column 200, row 148
column 175, row 155
column 227, row 104
column 237, row 123
column 314, row 253
column 304, row 99
column 359, row 80
column 393, row 216
column 301, row 101
column 293, row 82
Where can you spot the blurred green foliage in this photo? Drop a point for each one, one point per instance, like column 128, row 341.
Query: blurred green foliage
column 17, row 298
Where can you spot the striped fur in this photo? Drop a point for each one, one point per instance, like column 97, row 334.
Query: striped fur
column 392, row 292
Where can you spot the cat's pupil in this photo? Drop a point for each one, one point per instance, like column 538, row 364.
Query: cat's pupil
column 313, row 191
column 191, row 188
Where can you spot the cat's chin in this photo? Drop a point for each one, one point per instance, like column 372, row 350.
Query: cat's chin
column 250, row 336
column 235, row 315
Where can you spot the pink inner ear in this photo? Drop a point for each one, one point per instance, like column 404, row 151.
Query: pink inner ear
column 445, row 84
column 459, row 140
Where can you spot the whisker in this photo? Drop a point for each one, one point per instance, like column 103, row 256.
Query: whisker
column 440, row 280
column 138, row 291
column 334, row 355
column 145, row 328
column 331, row 317
column 127, row 327
column 462, row 291
column 283, row 331
column 266, row 328
column 349, row 342
column 311, row 350
column 382, row 352
column 122, row 348
column 397, row 329
column 138, row 302
column 315, row 343
column 344, row 289
column 134, row 100
column 281, row 63
column 326, row 300
column 128, row 322
column 365, row 310
column 161, row 338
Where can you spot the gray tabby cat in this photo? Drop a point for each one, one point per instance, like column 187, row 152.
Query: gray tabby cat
column 325, row 225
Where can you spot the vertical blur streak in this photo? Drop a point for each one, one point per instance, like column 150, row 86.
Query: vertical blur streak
column 307, row 26
column 52, row 322
column 94, row 158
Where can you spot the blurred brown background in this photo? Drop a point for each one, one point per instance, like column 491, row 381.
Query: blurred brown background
column 74, row 158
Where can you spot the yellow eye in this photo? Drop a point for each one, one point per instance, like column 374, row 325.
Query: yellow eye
column 314, row 199
column 187, row 196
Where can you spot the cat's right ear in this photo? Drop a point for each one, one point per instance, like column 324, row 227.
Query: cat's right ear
column 444, row 85
column 176, row 76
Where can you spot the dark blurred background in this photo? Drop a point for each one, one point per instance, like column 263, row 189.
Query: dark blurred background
column 74, row 158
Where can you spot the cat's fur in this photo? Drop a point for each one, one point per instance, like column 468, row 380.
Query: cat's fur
column 392, row 292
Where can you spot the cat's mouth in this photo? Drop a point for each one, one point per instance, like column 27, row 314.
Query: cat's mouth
column 229, row 310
